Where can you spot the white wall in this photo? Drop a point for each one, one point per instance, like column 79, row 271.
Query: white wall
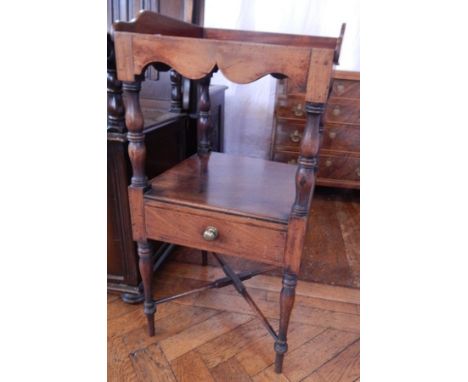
column 252, row 105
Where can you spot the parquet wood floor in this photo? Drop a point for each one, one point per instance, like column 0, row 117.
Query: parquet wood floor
column 213, row 335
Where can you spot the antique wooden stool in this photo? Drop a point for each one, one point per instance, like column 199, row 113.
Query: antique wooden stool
column 221, row 203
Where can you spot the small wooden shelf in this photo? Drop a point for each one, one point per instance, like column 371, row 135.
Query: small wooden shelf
column 237, row 185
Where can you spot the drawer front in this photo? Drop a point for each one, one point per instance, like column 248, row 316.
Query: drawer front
column 288, row 134
column 341, row 137
column 342, row 111
column 288, row 157
column 338, row 110
column 291, row 107
column 345, row 89
column 336, row 167
column 243, row 237
column 335, row 136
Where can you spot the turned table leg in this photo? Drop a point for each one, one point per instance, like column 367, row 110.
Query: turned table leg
column 146, row 271
column 286, row 304
column 139, row 183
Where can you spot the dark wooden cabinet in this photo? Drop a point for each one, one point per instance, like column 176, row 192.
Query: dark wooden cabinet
column 163, row 143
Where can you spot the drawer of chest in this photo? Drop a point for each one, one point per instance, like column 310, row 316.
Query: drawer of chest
column 338, row 110
column 345, row 88
column 343, row 167
column 291, row 107
column 215, row 232
column 288, row 134
column 331, row 166
column 342, row 111
column 286, row 157
column 341, row 137
column 335, row 136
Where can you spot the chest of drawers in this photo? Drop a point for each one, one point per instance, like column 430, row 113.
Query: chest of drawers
column 339, row 153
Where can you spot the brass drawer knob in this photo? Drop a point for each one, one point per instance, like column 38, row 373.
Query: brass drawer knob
column 292, row 161
column 336, row 111
column 295, row 136
column 298, row 110
column 332, row 135
column 210, row 233
column 328, row 162
column 340, row 88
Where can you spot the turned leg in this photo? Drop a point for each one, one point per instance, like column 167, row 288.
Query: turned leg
column 146, row 271
column 204, row 258
column 286, row 304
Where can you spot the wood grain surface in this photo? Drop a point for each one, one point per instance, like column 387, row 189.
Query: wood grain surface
column 212, row 337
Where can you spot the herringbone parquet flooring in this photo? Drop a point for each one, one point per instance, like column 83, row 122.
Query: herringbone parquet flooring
column 213, row 335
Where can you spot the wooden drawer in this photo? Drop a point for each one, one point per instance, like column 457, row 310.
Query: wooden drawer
column 344, row 85
column 240, row 236
column 291, row 107
column 286, row 157
column 288, row 134
column 342, row 167
column 338, row 110
column 341, row 137
column 345, row 89
column 342, row 111
column 335, row 136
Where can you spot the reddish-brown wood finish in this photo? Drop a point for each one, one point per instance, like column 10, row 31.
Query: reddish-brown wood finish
column 205, row 183
column 137, row 153
column 216, row 202
column 339, row 166
column 240, row 61
column 337, row 137
column 238, row 236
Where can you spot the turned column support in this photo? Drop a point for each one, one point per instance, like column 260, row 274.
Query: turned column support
column 305, row 184
column 204, row 120
column 308, row 159
column 115, row 106
column 176, row 91
column 136, row 137
column 139, row 182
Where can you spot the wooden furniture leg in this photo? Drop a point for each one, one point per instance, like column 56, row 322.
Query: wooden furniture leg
column 138, row 185
column 288, row 293
column 146, row 270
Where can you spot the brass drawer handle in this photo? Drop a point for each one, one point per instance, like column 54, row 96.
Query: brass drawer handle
column 298, row 110
column 340, row 88
column 295, row 136
column 336, row 111
column 358, row 172
column 328, row 162
column 292, row 161
column 210, row 233
column 332, row 135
